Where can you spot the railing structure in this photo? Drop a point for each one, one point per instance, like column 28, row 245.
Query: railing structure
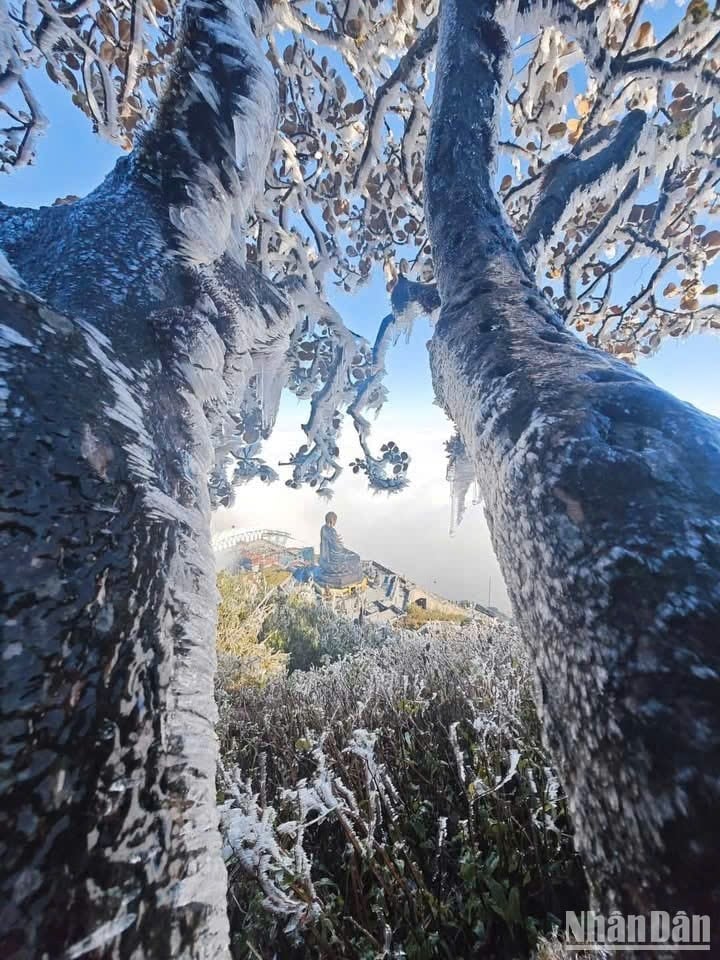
column 230, row 539
column 237, row 550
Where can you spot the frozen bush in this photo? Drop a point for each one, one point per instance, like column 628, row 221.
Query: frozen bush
column 311, row 633
column 396, row 803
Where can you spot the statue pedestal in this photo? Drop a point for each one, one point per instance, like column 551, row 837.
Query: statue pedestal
column 339, row 593
column 326, row 578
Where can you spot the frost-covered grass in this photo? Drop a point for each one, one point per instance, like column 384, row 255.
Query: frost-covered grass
column 395, row 803
column 311, row 634
column 417, row 616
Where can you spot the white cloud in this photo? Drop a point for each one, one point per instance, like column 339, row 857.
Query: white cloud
column 408, row 532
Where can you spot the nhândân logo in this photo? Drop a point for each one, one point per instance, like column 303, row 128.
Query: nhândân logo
column 658, row 930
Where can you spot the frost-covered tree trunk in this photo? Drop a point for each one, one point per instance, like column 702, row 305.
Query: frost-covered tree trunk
column 110, row 845
column 603, row 498
column 126, row 337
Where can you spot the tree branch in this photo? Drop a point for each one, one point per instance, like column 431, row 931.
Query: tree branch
column 568, row 174
column 412, row 59
column 591, row 243
column 601, row 497
column 210, row 144
column 574, row 21
column 655, row 66
column 410, row 298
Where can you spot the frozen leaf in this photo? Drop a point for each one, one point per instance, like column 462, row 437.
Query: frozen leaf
column 711, row 242
column 106, row 22
column 645, row 35
column 582, row 105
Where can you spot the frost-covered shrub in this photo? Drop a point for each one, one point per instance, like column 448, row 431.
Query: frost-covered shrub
column 312, row 633
column 396, row 803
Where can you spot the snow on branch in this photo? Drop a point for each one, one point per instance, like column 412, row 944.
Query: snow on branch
column 339, row 371
column 568, row 173
column 649, row 189
column 111, row 59
column 411, row 299
column 210, row 142
column 691, row 66
column 387, row 472
column 309, row 350
column 411, row 61
column 462, row 477
column 343, row 191
column 23, row 126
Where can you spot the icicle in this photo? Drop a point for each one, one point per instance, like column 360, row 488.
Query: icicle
column 461, row 477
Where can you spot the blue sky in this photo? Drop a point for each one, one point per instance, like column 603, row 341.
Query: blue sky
column 410, row 531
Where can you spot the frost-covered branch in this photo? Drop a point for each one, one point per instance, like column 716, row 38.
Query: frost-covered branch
column 340, row 371
column 110, row 59
column 555, row 431
column 210, row 141
column 564, row 176
column 387, row 472
column 462, row 477
column 344, row 182
column 691, row 66
column 411, row 299
column 411, row 61
column 22, row 124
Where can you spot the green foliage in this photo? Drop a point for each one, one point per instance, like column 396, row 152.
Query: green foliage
column 411, row 809
column 244, row 601
column 275, row 576
column 417, row 616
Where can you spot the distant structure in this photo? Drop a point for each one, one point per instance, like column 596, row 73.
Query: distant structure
column 357, row 589
column 237, row 550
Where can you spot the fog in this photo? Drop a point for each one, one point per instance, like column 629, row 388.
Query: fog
column 407, row 531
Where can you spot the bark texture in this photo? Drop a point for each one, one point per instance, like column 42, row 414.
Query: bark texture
column 119, row 362
column 110, row 839
column 602, row 493
column 109, row 842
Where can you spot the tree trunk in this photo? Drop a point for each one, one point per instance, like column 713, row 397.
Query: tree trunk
column 602, row 494
column 115, row 389
column 109, row 845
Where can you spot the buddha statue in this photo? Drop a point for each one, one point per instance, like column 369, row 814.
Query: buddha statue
column 339, row 567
